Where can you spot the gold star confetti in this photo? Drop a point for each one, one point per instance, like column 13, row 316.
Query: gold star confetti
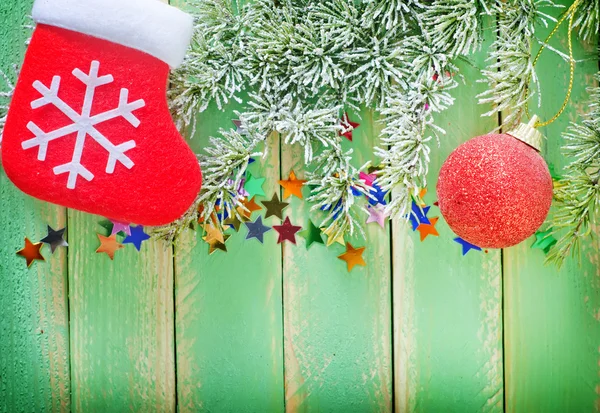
column 275, row 207
column 332, row 238
column 217, row 245
column 213, row 233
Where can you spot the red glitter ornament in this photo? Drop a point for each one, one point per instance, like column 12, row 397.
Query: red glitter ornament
column 495, row 190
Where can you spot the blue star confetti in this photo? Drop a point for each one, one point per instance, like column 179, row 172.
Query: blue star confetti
column 379, row 195
column 137, row 237
column 256, row 229
column 418, row 216
column 466, row 246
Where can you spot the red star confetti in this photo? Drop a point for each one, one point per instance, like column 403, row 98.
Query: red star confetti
column 349, row 127
column 287, row 231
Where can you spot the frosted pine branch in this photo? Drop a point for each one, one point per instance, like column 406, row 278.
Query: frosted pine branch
column 453, row 25
column 578, row 193
column 577, row 207
column 390, row 14
column 405, row 146
column 224, row 165
column 587, row 19
column 510, row 69
column 336, row 191
column 305, row 62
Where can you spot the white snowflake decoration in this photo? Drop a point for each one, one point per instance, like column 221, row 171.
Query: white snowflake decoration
column 83, row 124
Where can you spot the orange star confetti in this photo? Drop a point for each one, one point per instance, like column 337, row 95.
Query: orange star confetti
column 292, row 186
column 428, row 229
column 109, row 245
column 251, row 206
column 353, row 256
column 31, row 252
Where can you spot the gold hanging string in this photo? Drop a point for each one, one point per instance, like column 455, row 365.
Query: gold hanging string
column 570, row 14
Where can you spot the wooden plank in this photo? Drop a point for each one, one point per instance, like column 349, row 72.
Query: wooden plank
column 552, row 332
column 228, row 317
column 122, row 323
column 447, row 308
column 337, row 324
column 122, row 350
column 34, row 332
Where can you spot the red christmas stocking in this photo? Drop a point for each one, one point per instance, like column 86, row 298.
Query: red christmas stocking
column 88, row 126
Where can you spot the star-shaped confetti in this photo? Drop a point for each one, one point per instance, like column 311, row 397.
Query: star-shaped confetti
column 233, row 222
column 292, row 186
column 213, row 233
column 109, row 245
column 466, row 246
column 251, row 206
column 215, row 245
column 275, row 207
column 332, row 237
column 55, row 238
column 118, row 226
column 256, row 229
column 349, row 127
column 137, row 237
column 254, row 186
column 287, row 231
column 353, row 256
column 238, row 127
column 31, row 252
column 418, row 216
column 428, row 229
column 377, row 214
column 378, row 195
column 312, row 234
column 544, row 240
column 367, row 178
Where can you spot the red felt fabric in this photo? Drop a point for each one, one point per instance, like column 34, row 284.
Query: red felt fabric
column 165, row 178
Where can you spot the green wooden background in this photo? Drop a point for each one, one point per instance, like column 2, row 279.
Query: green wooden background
column 270, row 329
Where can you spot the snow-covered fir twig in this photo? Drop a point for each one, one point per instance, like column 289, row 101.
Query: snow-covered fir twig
column 587, row 19
column 298, row 65
column 408, row 132
column 510, row 71
column 337, row 188
column 578, row 194
column 223, row 166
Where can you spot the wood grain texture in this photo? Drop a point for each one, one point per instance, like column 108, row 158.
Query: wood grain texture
column 552, row 330
column 448, row 308
column 337, row 324
column 122, row 351
column 228, row 320
column 34, row 332
column 122, row 323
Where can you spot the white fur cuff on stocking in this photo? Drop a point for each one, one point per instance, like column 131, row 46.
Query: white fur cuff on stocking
column 150, row 26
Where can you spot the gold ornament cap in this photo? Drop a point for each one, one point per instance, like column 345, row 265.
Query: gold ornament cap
column 529, row 134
